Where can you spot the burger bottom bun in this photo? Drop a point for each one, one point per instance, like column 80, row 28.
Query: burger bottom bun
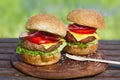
column 40, row 60
column 75, row 50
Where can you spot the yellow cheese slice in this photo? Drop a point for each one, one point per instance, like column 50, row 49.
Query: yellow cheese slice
column 79, row 37
column 46, row 46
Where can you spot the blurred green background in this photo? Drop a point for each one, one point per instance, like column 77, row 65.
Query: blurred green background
column 14, row 14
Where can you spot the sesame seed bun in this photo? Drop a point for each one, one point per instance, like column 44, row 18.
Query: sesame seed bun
column 87, row 18
column 48, row 23
column 75, row 50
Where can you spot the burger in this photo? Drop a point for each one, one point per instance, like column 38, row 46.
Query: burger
column 82, row 38
column 43, row 43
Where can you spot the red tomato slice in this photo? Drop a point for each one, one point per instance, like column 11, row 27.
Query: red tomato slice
column 43, row 37
column 38, row 40
column 81, row 29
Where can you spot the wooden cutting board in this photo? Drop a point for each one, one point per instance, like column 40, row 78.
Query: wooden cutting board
column 64, row 69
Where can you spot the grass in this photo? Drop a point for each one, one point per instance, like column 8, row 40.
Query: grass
column 14, row 14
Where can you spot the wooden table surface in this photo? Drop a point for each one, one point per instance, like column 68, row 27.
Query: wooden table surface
column 111, row 48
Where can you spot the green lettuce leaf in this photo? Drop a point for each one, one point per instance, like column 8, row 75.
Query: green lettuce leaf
column 82, row 45
column 21, row 50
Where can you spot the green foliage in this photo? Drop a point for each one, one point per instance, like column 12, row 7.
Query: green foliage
column 14, row 14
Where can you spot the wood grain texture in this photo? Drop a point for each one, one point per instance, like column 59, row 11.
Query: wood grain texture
column 110, row 52
column 108, row 47
column 5, row 64
column 111, row 48
column 8, row 40
column 111, row 42
column 64, row 69
column 8, row 45
column 18, row 78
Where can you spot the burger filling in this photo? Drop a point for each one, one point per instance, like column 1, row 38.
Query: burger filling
column 41, row 47
column 80, row 35
column 40, row 43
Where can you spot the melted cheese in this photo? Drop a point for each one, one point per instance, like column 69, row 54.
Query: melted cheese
column 46, row 46
column 79, row 37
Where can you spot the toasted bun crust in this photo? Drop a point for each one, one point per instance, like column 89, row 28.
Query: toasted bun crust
column 79, row 51
column 40, row 60
column 87, row 18
column 48, row 23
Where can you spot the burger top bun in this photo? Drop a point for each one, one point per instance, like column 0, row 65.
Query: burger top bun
column 87, row 18
column 48, row 23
